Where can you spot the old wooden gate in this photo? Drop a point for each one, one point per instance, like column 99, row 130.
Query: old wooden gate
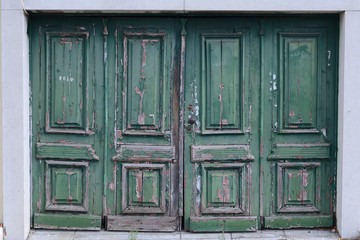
column 222, row 124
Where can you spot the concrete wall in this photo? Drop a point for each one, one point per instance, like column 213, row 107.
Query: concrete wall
column 15, row 120
column 15, row 91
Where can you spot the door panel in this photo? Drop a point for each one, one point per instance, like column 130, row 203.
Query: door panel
column 67, row 148
column 142, row 166
column 221, row 161
column 299, row 157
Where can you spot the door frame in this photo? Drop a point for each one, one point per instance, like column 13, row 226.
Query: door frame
column 16, row 157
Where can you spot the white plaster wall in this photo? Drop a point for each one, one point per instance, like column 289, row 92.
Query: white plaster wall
column 193, row 5
column 348, row 174
column 15, row 119
column 15, row 91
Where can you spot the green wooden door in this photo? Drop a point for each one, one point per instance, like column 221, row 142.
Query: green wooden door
column 104, row 144
column 142, row 167
column 224, row 124
column 299, row 102
column 67, row 137
column 222, row 80
column 260, row 125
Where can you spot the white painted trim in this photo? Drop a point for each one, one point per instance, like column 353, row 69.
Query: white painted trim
column 191, row 5
column 15, row 118
column 348, row 167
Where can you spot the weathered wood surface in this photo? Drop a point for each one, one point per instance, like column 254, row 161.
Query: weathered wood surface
column 226, row 224
column 141, row 223
column 66, row 221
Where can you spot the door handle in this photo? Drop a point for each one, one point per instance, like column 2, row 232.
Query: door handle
column 191, row 120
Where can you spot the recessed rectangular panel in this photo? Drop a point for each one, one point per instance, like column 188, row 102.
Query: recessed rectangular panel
column 223, row 188
column 220, row 152
column 298, row 187
column 300, row 82
column 144, row 188
column 221, row 82
column 144, row 76
column 66, row 72
column 67, row 186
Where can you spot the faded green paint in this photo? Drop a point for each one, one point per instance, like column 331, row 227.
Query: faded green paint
column 299, row 138
column 221, row 70
column 229, row 224
column 284, row 222
column 67, row 121
column 221, row 84
column 67, row 222
column 256, row 98
column 295, row 66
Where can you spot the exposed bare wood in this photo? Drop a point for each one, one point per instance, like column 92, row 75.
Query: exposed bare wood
column 141, row 223
column 127, row 206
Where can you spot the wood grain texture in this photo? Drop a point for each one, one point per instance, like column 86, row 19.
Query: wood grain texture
column 141, row 223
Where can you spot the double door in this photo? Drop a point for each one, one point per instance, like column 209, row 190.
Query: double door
column 213, row 124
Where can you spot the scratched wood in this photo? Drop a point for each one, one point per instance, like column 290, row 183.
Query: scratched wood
column 141, row 223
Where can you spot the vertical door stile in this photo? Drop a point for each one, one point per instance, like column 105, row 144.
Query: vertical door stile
column 181, row 125
column 261, row 120
column 106, row 115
